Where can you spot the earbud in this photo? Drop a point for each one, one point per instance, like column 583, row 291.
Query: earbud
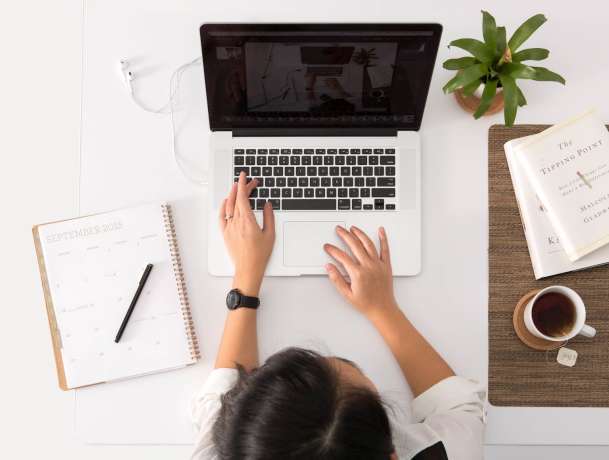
column 126, row 74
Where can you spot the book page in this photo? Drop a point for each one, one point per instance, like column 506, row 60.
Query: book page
column 94, row 265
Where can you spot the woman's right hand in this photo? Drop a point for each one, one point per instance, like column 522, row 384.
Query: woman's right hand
column 370, row 288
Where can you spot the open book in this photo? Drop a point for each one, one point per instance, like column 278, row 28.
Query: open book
column 90, row 268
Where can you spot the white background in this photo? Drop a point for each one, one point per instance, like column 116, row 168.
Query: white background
column 40, row 47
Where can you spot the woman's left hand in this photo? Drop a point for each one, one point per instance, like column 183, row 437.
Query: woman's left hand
column 249, row 246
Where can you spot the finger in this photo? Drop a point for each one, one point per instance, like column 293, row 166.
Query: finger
column 268, row 219
column 385, row 256
column 251, row 185
column 341, row 256
column 366, row 242
column 338, row 280
column 354, row 244
column 242, row 203
column 222, row 215
column 230, row 201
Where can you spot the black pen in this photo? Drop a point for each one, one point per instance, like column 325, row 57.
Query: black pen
column 140, row 287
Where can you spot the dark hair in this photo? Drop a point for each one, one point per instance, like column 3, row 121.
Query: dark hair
column 295, row 407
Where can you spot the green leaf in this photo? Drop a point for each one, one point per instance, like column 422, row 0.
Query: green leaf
column 525, row 31
column 465, row 77
column 543, row 74
column 478, row 49
column 510, row 99
column 521, row 99
column 468, row 90
column 517, row 70
column 501, row 41
column 489, row 30
column 459, row 63
column 487, row 97
column 531, row 54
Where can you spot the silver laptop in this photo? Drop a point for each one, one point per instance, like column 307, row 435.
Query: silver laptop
column 326, row 117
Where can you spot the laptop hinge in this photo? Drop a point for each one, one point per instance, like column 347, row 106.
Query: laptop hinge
column 317, row 132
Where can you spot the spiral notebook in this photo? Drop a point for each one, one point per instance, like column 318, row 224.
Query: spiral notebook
column 90, row 268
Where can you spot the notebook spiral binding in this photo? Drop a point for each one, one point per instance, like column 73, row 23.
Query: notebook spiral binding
column 193, row 343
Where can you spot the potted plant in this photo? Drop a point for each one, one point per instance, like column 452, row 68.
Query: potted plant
column 486, row 80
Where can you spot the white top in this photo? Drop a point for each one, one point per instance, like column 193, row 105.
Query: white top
column 451, row 412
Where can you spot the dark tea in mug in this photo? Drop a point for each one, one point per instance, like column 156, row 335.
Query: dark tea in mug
column 554, row 314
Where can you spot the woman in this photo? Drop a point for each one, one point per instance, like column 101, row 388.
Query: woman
column 303, row 406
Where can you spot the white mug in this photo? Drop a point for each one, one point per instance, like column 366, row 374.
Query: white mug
column 579, row 325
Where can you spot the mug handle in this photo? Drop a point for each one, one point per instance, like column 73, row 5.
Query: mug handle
column 588, row 331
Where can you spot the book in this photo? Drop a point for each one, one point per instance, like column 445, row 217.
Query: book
column 568, row 167
column 90, row 268
column 548, row 257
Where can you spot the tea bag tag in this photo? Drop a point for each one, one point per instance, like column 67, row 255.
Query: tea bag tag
column 566, row 357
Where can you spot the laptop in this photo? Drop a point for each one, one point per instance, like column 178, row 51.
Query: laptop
column 326, row 117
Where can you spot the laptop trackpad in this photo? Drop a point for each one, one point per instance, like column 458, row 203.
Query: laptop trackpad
column 303, row 242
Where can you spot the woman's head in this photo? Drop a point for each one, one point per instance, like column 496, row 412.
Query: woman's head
column 301, row 405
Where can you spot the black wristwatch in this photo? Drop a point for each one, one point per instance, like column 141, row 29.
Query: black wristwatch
column 235, row 300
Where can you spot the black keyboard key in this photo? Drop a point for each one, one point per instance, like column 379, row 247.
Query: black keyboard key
column 238, row 170
column 364, row 193
column 251, row 151
column 348, row 181
column 355, row 151
column 390, row 170
column 263, row 192
column 263, row 151
column 280, row 182
column 303, row 181
column 309, row 151
column 387, row 160
column 359, row 182
column 337, row 182
column 339, row 161
column 286, row 151
column 370, row 182
column 269, row 182
column 261, row 161
column 331, row 192
column 267, row 171
column 260, row 181
column 275, row 193
column 256, row 170
column 301, row 171
column 309, row 192
column 318, row 160
column 343, row 193
column 311, row 171
column 362, row 161
column 306, row 161
column 331, row 151
column 297, row 152
column 275, row 203
column 320, row 193
column 253, row 204
column 239, row 151
column 309, row 205
column 326, row 182
column 284, row 160
column 351, row 160
column 378, row 151
column 250, row 161
column 260, row 204
column 390, row 207
column 383, row 193
column 286, row 193
column 314, row 181
column 288, row 171
column 374, row 160
column 345, row 171
column 378, row 171
column 334, row 171
column 322, row 171
column 292, row 182
column 379, row 203
column 356, row 171
column 297, row 192
column 239, row 160
column 344, row 204
column 343, row 151
column 390, row 151
column 328, row 161
column 367, row 207
column 386, row 181
column 367, row 151
column 356, row 204
column 353, row 193
column 294, row 160
column 254, row 193
column 277, row 171
column 320, row 151
column 274, row 151
column 367, row 170
column 273, row 161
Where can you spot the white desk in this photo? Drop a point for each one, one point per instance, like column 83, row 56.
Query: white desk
column 125, row 159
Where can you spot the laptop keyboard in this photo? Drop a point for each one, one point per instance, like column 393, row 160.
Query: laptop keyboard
column 320, row 179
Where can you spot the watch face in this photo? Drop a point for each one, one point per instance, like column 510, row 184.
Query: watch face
column 233, row 299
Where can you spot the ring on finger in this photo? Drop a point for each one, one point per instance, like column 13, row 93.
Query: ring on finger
column 228, row 217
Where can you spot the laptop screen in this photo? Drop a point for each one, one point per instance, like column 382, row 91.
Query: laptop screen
column 318, row 75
